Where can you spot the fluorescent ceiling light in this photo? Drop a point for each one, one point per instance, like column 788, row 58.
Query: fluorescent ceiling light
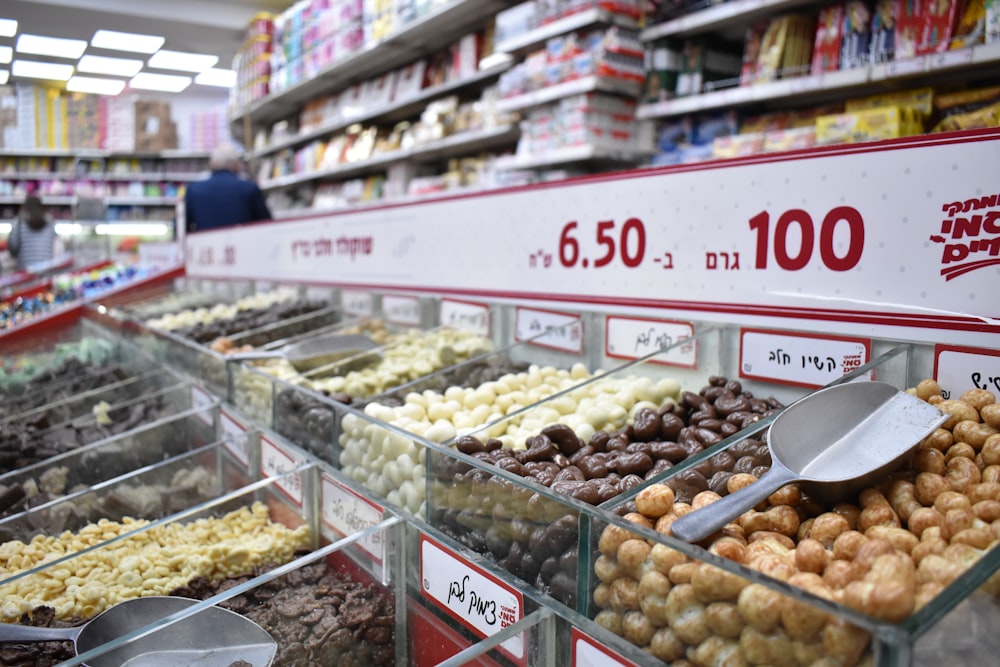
column 35, row 70
column 126, row 41
column 169, row 83
column 4, row 76
column 6, row 54
column 68, row 228
column 113, row 66
column 224, row 78
column 8, row 27
column 132, row 229
column 88, row 84
column 56, row 47
column 184, row 62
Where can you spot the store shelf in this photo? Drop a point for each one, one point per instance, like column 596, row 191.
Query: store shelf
column 398, row 110
column 590, row 84
column 821, row 86
column 171, row 154
column 436, row 30
column 570, row 155
column 718, row 17
column 453, row 146
column 73, row 176
column 46, row 200
column 141, row 201
column 584, row 19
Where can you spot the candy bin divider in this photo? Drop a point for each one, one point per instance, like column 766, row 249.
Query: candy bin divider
column 539, row 617
column 324, row 317
column 30, row 517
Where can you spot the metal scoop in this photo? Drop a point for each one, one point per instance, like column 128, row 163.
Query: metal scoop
column 213, row 637
column 835, row 441
column 312, row 353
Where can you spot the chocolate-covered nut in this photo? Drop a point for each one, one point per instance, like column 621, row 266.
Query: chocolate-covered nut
column 759, row 405
column 544, row 477
column 744, row 464
column 723, row 461
column 659, row 466
column 538, row 545
column 707, row 437
column 728, row 404
column 728, row 429
column 693, row 401
column 564, row 586
column 497, row 542
column 606, row 492
column 744, row 447
column 493, row 445
column 560, row 460
column 711, row 424
column 593, row 468
column 633, row 464
column 520, row 530
column 582, row 453
column 640, row 447
column 617, row 442
column 571, row 473
column 670, row 426
column 712, row 393
column 693, row 479
column 584, row 491
column 599, row 441
column 718, row 482
column 564, row 438
column 629, row 482
column 706, row 412
column 734, row 386
column 569, row 560
column 759, row 471
column 469, row 444
column 670, row 451
column 540, row 448
column 646, row 425
column 510, row 464
column 705, row 468
column 550, row 566
column 561, row 533
column 717, row 380
column 627, row 432
column 774, row 403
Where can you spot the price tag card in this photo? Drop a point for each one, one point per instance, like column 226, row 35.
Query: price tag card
column 159, row 256
column 551, row 329
column 276, row 461
column 959, row 369
column 319, row 293
column 236, row 444
column 802, row 360
column 263, row 285
column 346, row 512
column 635, row 337
column 588, row 652
column 359, row 304
column 470, row 595
column 908, row 66
column 466, row 315
column 201, row 399
column 955, row 58
column 403, row 310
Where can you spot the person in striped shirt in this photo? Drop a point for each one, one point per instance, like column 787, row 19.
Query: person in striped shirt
column 33, row 238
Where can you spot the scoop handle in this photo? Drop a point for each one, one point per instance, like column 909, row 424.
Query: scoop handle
column 12, row 632
column 699, row 524
column 255, row 355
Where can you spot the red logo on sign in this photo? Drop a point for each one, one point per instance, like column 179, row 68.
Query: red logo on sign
column 970, row 235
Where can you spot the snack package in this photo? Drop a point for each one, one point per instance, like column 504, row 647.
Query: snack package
column 883, row 39
column 909, row 27
column 751, row 52
column 662, row 66
column 971, row 27
column 920, row 100
column 771, row 48
column 826, row 49
column 790, row 139
column 938, row 23
column 992, row 8
column 856, row 35
column 875, row 124
column 988, row 116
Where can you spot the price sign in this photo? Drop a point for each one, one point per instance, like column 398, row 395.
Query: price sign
column 359, row 304
column 318, row 293
column 263, row 285
column 346, row 512
column 403, row 310
column 551, row 329
column 908, row 66
column 202, row 400
column 275, row 461
column 959, row 369
column 159, row 256
column 470, row 595
column 588, row 652
column 802, row 360
column 632, row 338
column 236, row 434
column 957, row 58
column 466, row 315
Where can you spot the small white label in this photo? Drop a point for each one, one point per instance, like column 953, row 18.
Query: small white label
column 359, row 304
column 803, row 360
column 545, row 328
column 472, row 596
column 955, row 58
column 959, row 369
column 274, row 462
column 318, row 293
column 160, row 256
column 908, row 66
column 403, row 310
column 346, row 512
column 236, row 434
column 202, row 400
column 632, row 338
column 466, row 316
column 263, row 285
column 588, row 652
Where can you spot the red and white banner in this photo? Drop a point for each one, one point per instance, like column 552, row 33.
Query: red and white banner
column 899, row 238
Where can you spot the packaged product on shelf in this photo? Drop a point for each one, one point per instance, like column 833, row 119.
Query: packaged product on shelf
column 689, row 139
column 789, row 139
column 883, row 31
column 874, row 124
column 702, row 64
column 516, row 21
column 992, row 21
column 920, row 100
column 939, row 17
column 826, row 50
column 752, row 41
column 967, row 109
column 856, row 34
column 738, row 145
column 970, row 29
column 786, row 48
column 662, row 66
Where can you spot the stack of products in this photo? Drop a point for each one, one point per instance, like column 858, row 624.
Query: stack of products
column 527, row 16
column 253, row 63
column 588, row 119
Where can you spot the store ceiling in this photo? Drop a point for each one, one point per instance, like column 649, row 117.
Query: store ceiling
column 214, row 27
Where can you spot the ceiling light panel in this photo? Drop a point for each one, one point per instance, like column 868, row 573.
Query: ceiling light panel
column 126, row 41
column 4, row 76
column 6, row 54
column 169, row 83
column 55, row 47
column 89, row 84
column 223, row 78
column 113, row 66
column 8, row 27
column 181, row 61
column 30, row 69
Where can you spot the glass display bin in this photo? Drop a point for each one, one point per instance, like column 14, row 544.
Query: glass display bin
column 30, row 356
column 48, row 495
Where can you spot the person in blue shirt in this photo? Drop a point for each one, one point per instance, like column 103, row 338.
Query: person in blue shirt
column 224, row 199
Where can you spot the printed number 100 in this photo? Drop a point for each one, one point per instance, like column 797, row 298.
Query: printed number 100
column 793, row 259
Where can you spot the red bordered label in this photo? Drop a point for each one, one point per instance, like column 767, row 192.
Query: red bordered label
column 550, row 329
column 275, row 461
column 347, row 512
column 959, row 369
column 799, row 359
column 588, row 652
column 636, row 337
column 202, row 400
column 473, row 597
column 359, row 304
column 236, row 434
column 466, row 316
column 403, row 310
